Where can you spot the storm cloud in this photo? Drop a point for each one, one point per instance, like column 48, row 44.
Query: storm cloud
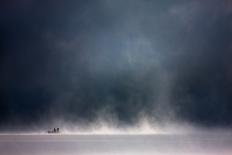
column 81, row 61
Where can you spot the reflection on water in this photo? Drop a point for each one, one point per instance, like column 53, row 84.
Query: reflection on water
column 116, row 144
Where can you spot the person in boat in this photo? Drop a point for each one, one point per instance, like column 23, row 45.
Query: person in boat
column 55, row 130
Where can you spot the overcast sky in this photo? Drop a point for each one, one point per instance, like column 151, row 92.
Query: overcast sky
column 81, row 60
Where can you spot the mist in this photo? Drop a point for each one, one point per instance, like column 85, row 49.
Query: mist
column 136, row 66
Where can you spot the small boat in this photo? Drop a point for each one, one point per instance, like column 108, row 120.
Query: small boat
column 55, row 130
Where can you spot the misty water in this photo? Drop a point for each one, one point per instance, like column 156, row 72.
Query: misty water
column 197, row 144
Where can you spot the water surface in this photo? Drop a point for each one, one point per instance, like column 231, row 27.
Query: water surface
column 199, row 144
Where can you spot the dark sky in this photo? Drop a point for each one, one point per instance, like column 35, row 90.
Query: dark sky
column 81, row 60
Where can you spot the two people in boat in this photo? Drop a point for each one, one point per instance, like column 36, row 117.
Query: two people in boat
column 55, row 130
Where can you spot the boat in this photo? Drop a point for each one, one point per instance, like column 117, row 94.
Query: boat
column 55, row 130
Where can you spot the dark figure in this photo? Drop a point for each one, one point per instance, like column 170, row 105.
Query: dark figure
column 57, row 130
column 54, row 130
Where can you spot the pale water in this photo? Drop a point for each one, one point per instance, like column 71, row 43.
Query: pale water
column 198, row 144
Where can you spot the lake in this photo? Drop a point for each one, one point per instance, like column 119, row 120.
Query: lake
column 164, row 144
